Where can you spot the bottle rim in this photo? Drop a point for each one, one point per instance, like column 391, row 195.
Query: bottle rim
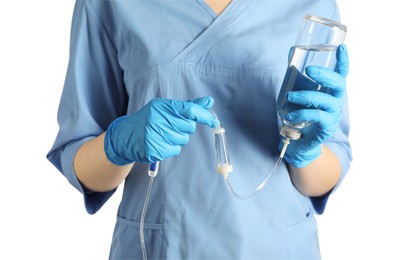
column 326, row 21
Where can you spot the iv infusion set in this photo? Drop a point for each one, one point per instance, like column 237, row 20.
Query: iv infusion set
column 316, row 44
column 223, row 167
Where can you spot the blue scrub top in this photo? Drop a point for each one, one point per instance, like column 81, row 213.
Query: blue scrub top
column 125, row 53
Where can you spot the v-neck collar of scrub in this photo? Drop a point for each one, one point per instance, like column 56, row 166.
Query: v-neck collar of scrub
column 221, row 25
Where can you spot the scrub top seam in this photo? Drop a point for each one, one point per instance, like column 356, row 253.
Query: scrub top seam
column 160, row 92
column 202, row 67
column 102, row 25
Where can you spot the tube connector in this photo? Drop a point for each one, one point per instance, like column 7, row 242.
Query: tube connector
column 153, row 169
column 224, row 170
column 289, row 132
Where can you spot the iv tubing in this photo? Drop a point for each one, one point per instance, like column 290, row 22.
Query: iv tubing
column 152, row 172
column 286, row 142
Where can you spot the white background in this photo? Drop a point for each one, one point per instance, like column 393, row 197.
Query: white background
column 43, row 217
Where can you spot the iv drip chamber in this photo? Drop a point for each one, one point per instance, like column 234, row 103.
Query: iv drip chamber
column 223, row 164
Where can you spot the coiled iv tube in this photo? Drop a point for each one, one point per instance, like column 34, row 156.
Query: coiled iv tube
column 224, row 165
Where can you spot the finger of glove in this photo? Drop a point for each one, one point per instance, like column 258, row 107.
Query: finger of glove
column 163, row 114
column 163, row 140
column 206, row 102
column 179, row 124
column 325, row 120
column 342, row 60
column 195, row 112
column 174, row 135
column 315, row 99
column 306, row 115
column 328, row 79
column 159, row 152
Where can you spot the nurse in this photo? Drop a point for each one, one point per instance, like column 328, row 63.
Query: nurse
column 141, row 79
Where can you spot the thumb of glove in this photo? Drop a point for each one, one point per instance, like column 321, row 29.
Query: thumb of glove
column 197, row 110
column 205, row 102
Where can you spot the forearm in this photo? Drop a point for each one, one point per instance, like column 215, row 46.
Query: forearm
column 94, row 170
column 319, row 177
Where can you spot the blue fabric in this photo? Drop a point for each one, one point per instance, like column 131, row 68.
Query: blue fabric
column 126, row 53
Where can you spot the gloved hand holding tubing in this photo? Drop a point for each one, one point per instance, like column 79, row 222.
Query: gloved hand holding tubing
column 156, row 131
column 323, row 108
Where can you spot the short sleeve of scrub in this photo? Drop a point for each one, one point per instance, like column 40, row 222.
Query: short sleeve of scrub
column 93, row 95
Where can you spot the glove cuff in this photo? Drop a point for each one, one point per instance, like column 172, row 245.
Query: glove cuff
column 111, row 154
column 300, row 160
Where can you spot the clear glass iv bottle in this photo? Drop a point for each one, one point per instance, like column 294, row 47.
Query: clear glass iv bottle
column 316, row 44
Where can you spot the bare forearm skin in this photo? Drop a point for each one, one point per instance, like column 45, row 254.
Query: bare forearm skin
column 94, row 170
column 319, row 177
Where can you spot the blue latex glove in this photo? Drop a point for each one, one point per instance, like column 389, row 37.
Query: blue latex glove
column 323, row 109
column 157, row 131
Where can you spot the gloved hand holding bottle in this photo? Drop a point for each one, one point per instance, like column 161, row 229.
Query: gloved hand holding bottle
column 157, row 131
column 323, row 109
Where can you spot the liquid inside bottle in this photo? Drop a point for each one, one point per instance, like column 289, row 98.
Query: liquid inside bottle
column 295, row 78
